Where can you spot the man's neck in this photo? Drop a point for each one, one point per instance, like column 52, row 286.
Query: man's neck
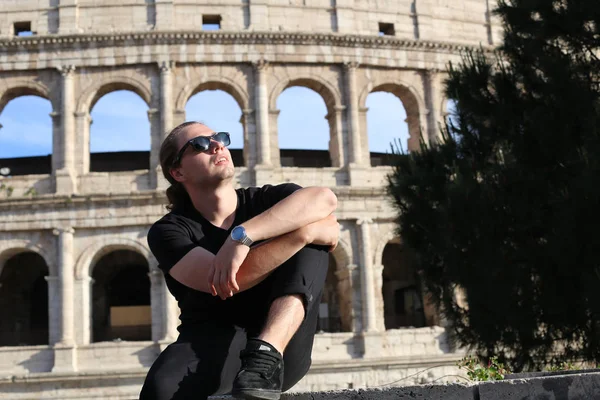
column 217, row 205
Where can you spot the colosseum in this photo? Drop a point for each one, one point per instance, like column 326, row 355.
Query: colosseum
column 73, row 224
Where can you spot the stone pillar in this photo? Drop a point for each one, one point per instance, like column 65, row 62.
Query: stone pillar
column 171, row 317
column 262, row 107
column 433, row 100
column 156, row 136
column 65, row 153
column 352, row 106
column 178, row 118
column 373, row 339
column 65, row 357
column 345, row 276
column 83, row 120
column 166, row 96
column 337, row 143
column 249, row 126
column 84, row 307
column 156, row 303
column 274, row 137
column 68, row 17
column 56, row 117
column 367, row 281
column 379, row 303
column 53, row 309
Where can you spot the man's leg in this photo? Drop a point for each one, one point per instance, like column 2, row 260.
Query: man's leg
column 199, row 364
column 285, row 316
column 288, row 327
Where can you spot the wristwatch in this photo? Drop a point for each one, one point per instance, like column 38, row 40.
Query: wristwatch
column 238, row 234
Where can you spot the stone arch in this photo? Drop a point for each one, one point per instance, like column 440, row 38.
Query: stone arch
column 94, row 252
column 332, row 99
column 325, row 89
column 413, row 102
column 90, row 95
column 14, row 247
column 25, row 87
column 345, row 288
column 212, row 82
column 25, row 296
column 343, row 253
column 389, row 235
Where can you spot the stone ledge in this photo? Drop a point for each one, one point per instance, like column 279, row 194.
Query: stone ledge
column 233, row 37
column 581, row 386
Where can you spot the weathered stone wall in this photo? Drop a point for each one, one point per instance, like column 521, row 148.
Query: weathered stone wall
column 84, row 49
column 466, row 21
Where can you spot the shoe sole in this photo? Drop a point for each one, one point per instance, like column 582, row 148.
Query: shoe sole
column 257, row 394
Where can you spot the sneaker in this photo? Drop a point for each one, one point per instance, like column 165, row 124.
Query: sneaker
column 261, row 374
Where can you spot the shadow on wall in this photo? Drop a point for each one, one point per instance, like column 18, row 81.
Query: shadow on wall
column 139, row 160
column 40, row 361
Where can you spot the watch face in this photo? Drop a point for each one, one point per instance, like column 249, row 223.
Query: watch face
column 238, row 233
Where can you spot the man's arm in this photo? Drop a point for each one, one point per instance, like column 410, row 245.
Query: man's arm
column 193, row 269
column 299, row 209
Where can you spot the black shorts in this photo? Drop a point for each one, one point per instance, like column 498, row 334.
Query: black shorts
column 205, row 359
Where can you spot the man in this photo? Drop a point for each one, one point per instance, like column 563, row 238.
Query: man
column 247, row 268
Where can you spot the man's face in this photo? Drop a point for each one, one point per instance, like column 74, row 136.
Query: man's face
column 203, row 168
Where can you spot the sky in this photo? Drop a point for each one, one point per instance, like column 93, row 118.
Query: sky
column 120, row 122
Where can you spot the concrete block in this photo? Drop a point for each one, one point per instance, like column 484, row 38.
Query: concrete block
column 424, row 392
column 582, row 386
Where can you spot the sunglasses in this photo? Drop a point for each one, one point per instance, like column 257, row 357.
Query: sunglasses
column 202, row 143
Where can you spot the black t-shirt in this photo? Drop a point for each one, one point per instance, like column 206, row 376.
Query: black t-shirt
column 178, row 232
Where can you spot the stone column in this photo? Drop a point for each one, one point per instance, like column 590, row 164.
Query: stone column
column 249, row 126
column 337, row 145
column 367, row 281
column 346, row 286
column 377, row 273
column 156, row 136
column 65, row 353
column 83, row 120
column 56, row 138
column 373, row 339
column 166, row 96
column 352, row 113
column 65, row 153
column 262, row 107
column 433, row 99
column 156, row 303
column 171, row 317
column 53, row 309
column 84, row 309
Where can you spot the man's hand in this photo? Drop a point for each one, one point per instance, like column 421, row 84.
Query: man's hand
column 224, row 268
column 324, row 232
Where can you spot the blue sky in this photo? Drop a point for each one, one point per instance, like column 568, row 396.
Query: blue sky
column 120, row 122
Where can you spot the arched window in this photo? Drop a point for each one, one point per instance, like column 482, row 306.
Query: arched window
column 303, row 129
column 330, row 319
column 220, row 111
column 26, row 136
column 24, row 301
column 401, row 289
column 121, row 297
column 387, row 127
column 120, row 133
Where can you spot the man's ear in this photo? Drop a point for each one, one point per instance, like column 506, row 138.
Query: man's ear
column 176, row 174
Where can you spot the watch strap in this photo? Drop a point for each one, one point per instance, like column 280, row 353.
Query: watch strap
column 247, row 241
